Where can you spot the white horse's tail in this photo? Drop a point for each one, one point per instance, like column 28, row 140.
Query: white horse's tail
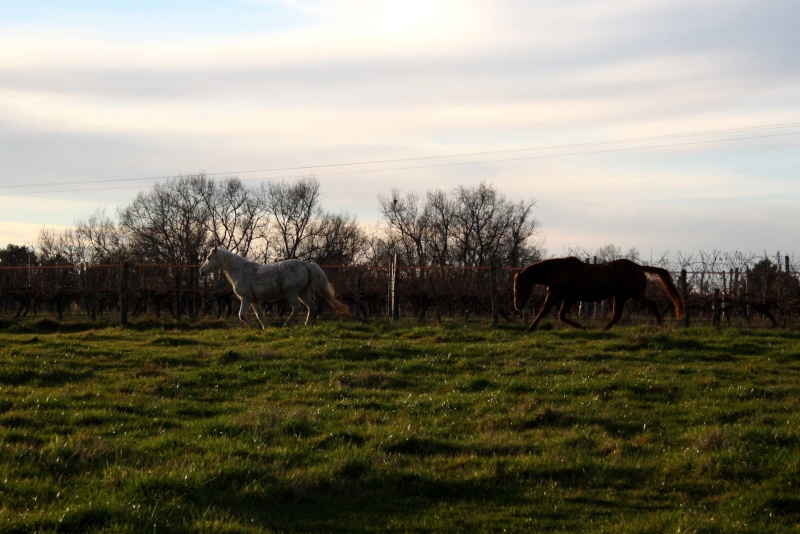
column 322, row 286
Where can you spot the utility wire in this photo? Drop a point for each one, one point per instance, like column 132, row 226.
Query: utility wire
column 430, row 158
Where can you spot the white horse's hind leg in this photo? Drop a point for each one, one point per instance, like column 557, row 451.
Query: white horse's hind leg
column 307, row 302
column 294, row 302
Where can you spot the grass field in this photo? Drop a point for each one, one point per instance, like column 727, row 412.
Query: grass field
column 398, row 427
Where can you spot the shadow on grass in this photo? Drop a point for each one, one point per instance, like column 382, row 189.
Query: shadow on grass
column 42, row 378
column 360, row 497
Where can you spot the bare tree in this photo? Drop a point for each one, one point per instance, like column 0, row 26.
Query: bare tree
column 407, row 218
column 440, row 214
column 608, row 252
column 103, row 240
column 64, row 247
column 292, row 207
column 168, row 224
column 236, row 214
column 380, row 246
column 471, row 226
column 490, row 229
column 522, row 227
column 14, row 255
column 335, row 239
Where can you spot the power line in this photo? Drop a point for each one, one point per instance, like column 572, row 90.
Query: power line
column 430, row 158
column 540, row 148
column 423, row 158
column 561, row 155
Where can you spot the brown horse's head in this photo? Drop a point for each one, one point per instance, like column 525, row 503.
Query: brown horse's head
column 522, row 290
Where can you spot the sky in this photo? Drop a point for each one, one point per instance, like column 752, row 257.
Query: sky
column 662, row 126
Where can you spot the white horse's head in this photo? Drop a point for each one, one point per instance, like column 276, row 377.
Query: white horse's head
column 212, row 261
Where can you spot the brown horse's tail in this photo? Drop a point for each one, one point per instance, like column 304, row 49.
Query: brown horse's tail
column 665, row 280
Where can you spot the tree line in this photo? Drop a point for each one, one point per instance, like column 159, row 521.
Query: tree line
column 180, row 219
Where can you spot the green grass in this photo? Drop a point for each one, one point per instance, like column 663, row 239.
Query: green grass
column 398, row 427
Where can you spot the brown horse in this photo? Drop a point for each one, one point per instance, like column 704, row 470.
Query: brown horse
column 569, row 280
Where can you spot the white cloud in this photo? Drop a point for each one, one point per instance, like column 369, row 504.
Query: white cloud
column 347, row 31
column 19, row 233
column 358, row 80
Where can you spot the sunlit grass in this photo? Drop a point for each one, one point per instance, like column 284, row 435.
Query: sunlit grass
column 352, row 427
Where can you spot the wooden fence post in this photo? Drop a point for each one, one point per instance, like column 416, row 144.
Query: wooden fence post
column 315, row 308
column 747, row 292
column 785, row 279
column 435, row 300
column 495, row 297
column 177, row 295
column 93, row 294
column 195, row 289
column 715, row 307
column 685, row 289
column 395, row 299
column 123, row 294
column 359, row 278
column 583, row 306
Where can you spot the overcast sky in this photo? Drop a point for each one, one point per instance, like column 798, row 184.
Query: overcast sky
column 662, row 125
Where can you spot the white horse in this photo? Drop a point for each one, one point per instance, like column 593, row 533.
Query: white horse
column 254, row 283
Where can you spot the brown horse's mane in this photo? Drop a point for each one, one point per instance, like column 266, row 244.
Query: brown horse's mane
column 545, row 267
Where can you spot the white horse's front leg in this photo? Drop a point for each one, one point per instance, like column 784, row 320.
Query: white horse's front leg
column 243, row 311
column 260, row 315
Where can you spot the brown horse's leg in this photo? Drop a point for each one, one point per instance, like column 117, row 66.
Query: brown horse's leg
column 562, row 314
column 651, row 306
column 616, row 313
column 548, row 303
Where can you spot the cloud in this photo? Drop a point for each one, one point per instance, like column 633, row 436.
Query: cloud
column 109, row 95
column 349, row 31
column 19, row 233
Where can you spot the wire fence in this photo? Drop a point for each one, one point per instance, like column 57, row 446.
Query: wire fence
column 121, row 293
